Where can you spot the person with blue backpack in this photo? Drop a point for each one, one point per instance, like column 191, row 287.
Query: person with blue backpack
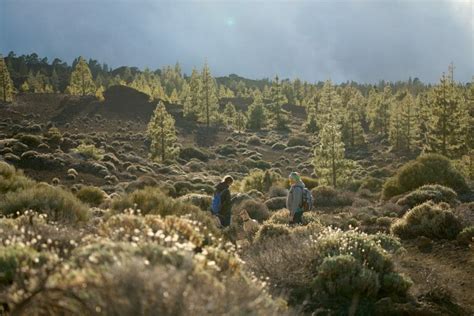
column 299, row 199
column 221, row 205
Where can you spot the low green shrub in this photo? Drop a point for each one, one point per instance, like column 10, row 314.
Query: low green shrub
column 91, row 195
column 58, row 204
column 30, row 140
column 283, row 217
column 466, row 236
column 372, row 184
column 330, row 269
column 189, row 153
column 268, row 231
column 200, row 200
column 426, row 169
column 260, row 180
column 256, row 210
column 298, row 141
column 89, row 151
column 326, row 196
column 257, row 164
column 435, row 221
column 13, row 258
column 11, row 179
column 434, row 192
column 254, row 140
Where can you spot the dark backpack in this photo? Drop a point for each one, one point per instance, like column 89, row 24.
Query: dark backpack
column 216, row 203
column 307, row 203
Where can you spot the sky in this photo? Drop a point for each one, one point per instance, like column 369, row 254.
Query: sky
column 360, row 40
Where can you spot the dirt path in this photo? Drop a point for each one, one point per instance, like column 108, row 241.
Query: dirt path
column 447, row 266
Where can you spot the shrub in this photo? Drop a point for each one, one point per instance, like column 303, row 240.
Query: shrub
column 343, row 276
column 298, row 141
column 431, row 220
column 372, row 184
column 276, row 203
column 283, row 217
column 91, row 195
column 89, row 151
column 189, row 153
column 12, row 258
column 226, row 150
column 434, row 192
column 260, row 180
column 426, row 169
column 254, row 140
column 278, row 146
column 30, row 140
column 268, row 231
column 329, row 270
column 11, row 179
column 257, row 210
column 277, row 191
column 325, row 196
column 396, row 283
column 258, row 164
column 466, row 236
column 58, row 204
column 200, row 200
column 310, row 183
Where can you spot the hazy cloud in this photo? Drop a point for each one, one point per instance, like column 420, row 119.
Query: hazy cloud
column 314, row 40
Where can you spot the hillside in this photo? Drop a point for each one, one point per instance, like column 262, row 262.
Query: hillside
column 113, row 178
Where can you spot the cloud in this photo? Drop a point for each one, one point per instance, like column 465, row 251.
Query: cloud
column 343, row 40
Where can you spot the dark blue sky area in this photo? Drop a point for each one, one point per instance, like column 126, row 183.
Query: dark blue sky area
column 362, row 40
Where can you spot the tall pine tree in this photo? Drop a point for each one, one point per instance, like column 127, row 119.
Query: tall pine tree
column 81, row 82
column 6, row 84
column 257, row 118
column 193, row 99
column 209, row 103
column 278, row 117
column 329, row 160
column 162, row 133
column 448, row 119
column 352, row 131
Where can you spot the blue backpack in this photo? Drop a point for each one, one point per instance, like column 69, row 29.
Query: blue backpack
column 216, row 203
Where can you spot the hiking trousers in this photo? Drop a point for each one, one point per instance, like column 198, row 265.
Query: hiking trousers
column 297, row 218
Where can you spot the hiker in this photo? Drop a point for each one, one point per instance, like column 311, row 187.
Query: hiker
column 222, row 203
column 294, row 200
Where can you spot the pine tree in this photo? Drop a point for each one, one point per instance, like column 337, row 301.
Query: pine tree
column 256, row 114
column 185, row 92
column 25, row 87
column 379, row 111
column 278, row 116
column 99, row 94
column 81, row 82
column 422, row 114
column 409, row 122
column 55, row 80
column 209, row 102
column 6, row 84
column 162, row 133
column 240, row 121
column 329, row 107
column 329, row 159
column 174, row 96
column 311, row 124
column 448, row 119
column 192, row 103
column 229, row 113
column 395, row 130
column 353, row 134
